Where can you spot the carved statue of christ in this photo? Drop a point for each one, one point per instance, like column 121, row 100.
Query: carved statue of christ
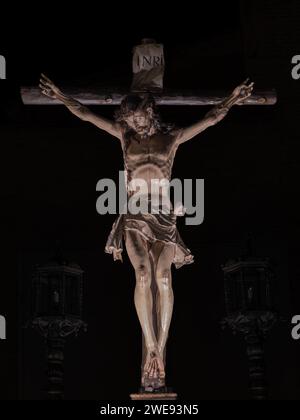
column 152, row 240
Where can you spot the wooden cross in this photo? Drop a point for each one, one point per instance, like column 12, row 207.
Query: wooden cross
column 94, row 96
column 148, row 65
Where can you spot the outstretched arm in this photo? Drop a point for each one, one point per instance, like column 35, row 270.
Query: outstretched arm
column 238, row 96
column 49, row 89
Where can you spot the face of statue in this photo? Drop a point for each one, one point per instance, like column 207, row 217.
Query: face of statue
column 141, row 122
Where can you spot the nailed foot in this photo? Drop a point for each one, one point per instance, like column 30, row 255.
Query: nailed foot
column 153, row 372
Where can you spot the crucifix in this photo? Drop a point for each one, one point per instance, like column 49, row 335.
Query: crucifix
column 152, row 240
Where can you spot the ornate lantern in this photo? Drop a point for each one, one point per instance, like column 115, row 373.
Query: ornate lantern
column 57, row 313
column 248, row 296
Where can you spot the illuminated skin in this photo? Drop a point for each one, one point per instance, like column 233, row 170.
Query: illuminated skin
column 150, row 160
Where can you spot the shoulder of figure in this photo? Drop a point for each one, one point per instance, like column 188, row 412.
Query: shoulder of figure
column 176, row 132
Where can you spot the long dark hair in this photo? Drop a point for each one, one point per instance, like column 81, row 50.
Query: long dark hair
column 133, row 103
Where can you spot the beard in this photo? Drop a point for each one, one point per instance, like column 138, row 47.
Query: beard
column 146, row 131
column 143, row 131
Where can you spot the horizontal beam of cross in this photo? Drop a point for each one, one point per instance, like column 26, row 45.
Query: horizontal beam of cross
column 94, row 96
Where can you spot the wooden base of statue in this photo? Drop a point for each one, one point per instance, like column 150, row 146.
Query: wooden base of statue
column 154, row 396
column 153, row 388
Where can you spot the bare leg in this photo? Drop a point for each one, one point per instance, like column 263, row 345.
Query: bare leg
column 164, row 256
column 138, row 254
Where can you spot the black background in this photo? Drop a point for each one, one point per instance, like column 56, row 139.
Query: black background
column 51, row 163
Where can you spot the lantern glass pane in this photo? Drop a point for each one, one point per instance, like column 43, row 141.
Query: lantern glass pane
column 54, row 293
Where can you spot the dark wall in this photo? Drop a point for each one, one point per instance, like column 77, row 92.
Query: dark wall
column 52, row 162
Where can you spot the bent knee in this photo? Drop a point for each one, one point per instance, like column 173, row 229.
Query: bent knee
column 164, row 279
column 143, row 275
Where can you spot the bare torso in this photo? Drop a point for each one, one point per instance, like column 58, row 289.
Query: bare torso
column 150, row 158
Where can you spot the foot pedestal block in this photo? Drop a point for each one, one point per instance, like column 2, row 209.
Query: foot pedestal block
column 163, row 394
